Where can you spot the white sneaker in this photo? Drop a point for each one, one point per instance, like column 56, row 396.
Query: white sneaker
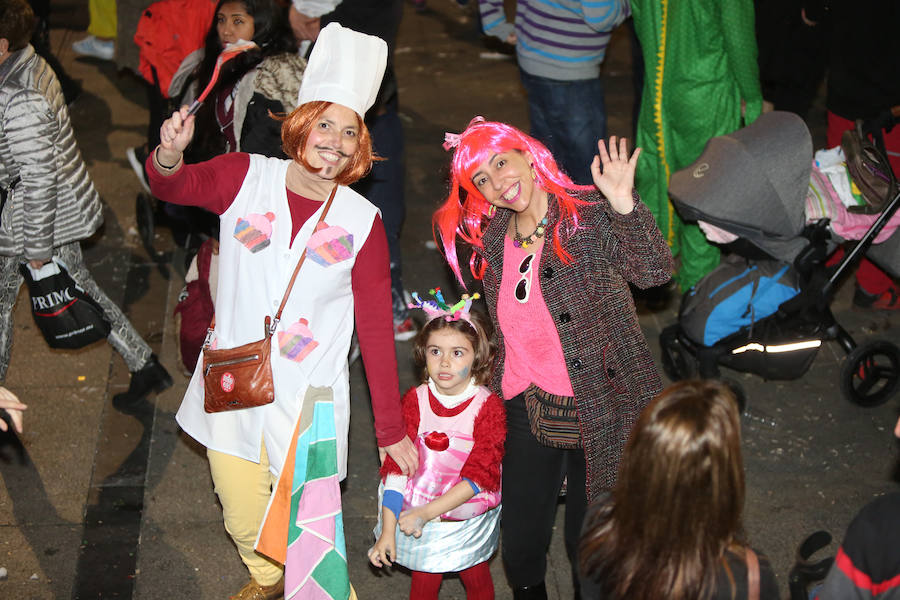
column 94, row 47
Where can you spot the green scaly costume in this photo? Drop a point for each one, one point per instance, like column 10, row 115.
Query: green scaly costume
column 700, row 58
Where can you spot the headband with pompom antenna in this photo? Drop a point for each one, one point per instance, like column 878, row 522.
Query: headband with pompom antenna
column 438, row 308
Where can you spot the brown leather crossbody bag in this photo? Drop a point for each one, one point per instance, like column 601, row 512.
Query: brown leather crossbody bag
column 241, row 377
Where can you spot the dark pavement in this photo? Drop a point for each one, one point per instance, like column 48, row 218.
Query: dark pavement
column 96, row 503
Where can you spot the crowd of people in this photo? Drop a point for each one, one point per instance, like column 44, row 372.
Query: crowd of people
column 540, row 382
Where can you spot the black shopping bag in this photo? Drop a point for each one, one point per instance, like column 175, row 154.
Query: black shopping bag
column 64, row 313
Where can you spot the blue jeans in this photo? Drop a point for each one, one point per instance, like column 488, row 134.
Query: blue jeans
column 568, row 117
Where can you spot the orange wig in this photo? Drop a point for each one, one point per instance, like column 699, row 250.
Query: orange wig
column 295, row 131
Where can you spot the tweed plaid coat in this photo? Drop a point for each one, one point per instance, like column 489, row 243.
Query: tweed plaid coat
column 609, row 363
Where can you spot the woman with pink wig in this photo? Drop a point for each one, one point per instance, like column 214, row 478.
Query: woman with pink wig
column 555, row 260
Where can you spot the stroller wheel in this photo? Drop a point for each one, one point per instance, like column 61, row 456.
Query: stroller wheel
column 871, row 373
column 677, row 361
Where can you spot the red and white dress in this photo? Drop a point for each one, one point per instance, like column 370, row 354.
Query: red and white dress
column 462, row 442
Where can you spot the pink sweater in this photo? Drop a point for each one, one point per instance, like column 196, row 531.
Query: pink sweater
column 533, row 350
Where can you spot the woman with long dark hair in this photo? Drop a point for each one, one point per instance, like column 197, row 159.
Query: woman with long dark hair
column 672, row 526
column 251, row 88
column 236, row 115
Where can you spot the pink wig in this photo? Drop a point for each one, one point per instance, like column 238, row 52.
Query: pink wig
column 465, row 215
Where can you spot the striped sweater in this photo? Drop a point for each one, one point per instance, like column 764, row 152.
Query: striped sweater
column 557, row 39
column 54, row 202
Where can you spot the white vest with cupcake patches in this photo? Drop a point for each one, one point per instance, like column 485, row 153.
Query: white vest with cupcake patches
column 312, row 341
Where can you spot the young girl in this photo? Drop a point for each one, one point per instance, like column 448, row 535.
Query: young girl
column 448, row 511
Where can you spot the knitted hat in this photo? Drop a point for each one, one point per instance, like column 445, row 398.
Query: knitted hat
column 345, row 67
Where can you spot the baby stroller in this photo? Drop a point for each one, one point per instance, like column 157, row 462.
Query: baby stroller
column 753, row 184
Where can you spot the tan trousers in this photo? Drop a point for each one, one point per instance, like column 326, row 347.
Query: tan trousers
column 244, row 488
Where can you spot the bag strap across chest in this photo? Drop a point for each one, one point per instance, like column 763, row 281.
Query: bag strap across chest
column 270, row 323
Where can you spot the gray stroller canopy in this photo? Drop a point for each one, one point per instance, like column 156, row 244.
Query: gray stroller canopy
column 752, row 183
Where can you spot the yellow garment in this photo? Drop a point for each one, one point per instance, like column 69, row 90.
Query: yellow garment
column 103, row 19
column 244, row 488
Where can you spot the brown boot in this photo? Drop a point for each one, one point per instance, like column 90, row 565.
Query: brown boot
column 254, row 591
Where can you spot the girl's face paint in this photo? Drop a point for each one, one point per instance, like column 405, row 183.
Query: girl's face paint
column 448, row 357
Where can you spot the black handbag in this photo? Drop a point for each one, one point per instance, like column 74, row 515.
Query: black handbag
column 64, row 313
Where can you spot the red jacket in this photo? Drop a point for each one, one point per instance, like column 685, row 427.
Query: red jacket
column 167, row 32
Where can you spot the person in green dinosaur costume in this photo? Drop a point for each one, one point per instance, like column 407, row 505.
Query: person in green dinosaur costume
column 701, row 75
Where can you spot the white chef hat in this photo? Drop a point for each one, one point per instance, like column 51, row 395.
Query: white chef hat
column 345, row 67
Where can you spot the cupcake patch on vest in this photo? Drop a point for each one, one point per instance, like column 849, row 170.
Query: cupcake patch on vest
column 297, row 342
column 329, row 245
column 255, row 232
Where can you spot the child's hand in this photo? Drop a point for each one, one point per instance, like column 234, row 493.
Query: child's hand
column 384, row 551
column 412, row 521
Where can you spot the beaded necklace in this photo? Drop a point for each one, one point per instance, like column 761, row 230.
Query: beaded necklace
column 524, row 242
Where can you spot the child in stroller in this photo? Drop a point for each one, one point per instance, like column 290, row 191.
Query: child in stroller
column 751, row 185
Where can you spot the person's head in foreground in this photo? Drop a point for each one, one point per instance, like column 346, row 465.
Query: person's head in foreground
column 677, row 504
